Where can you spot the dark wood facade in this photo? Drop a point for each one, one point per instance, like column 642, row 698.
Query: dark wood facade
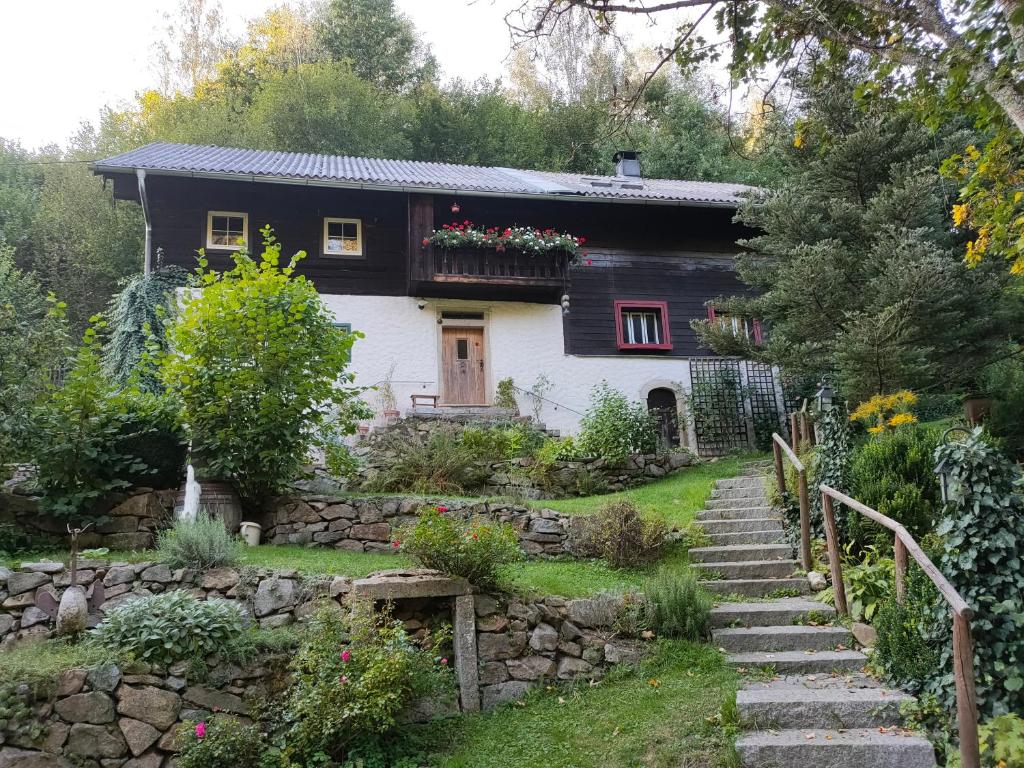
column 681, row 255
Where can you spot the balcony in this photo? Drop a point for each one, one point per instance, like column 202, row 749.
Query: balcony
column 487, row 273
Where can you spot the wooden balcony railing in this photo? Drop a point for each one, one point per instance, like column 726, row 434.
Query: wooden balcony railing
column 490, row 266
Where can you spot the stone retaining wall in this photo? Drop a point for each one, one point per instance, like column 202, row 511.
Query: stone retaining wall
column 128, row 717
column 370, row 524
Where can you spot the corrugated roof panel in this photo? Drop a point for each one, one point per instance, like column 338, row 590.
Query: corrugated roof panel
column 222, row 161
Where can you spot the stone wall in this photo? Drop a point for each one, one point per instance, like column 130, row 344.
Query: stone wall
column 129, row 520
column 507, row 645
column 370, row 524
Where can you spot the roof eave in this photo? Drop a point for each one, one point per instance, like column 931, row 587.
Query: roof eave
column 381, row 187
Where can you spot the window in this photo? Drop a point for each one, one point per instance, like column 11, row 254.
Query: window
column 227, row 230
column 642, row 325
column 343, row 237
column 739, row 325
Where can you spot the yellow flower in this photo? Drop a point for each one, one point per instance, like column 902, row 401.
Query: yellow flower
column 877, row 430
column 902, row 418
column 798, row 140
column 960, row 214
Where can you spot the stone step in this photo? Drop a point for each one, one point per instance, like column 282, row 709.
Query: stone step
column 812, row 702
column 740, row 552
column 738, row 513
column 742, row 525
column 750, row 492
column 858, row 748
column 784, row 611
column 747, row 537
column 800, row 662
column 755, row 587
column 781, row 638
column 752, row 569
column 736, row 504
column 742, row 481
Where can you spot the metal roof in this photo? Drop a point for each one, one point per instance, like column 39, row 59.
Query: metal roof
column 412, row 175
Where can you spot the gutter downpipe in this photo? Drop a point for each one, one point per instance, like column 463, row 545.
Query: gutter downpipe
column 147, row 262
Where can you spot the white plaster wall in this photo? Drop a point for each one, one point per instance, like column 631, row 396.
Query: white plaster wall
column 522, row 341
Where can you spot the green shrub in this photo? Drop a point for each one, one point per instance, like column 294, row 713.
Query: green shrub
column 907, row 652
column 1002, row 742
column 91, row 439
column 477, row 549
column 869, row 579
column 501, row 441
column 260, row 369
column 1005, row 380
column 677, row 606
column 198, row 544
column 220, row 742
column 168, row 627
column 620, row 535
column 982, row 534
column 505, row 395
column 613, row 427
column 894, row 472
column 441, row 463
column 350, row 679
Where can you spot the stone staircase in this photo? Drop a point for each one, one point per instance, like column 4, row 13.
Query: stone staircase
column 814, row 706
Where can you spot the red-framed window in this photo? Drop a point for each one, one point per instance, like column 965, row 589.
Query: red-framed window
column 744, row 327
column 642, row 325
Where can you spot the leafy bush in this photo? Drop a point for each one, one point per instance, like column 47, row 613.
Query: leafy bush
column 91, row 439
column 502, row 441
column 198, row 544
column 350, row 679
column 982, row 534
column 869, row 579
column 613, row 427
column 221, row 742
column 441, row 463
column 259, row 367
column 895, row 474
column 1002, row 742
column 476, row 549
column 620, row 535
column 168, row 627
column 907, row 652
column 1005, row 380
column 505, row 395
column 677, row 605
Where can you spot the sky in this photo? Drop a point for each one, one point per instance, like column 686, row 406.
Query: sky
column 63, row 60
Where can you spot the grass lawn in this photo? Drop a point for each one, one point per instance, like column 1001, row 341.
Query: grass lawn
column 677, row 498
column 667, row 713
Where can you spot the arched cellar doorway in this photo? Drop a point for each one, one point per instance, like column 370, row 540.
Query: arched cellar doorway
column 661, row 402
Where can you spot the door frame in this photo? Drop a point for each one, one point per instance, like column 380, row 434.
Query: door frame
column 484, row 323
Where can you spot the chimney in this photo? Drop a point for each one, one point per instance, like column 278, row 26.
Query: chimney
column 627, row 163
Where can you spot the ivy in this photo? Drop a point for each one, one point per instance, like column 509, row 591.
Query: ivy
column 983, row 532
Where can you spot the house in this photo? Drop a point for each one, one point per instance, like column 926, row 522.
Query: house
column 450, row 322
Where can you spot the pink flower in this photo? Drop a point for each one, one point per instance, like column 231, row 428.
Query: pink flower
column 442, row 509
column 396, row 544
column 346, row 656
column 342, row 680
column 200, row 730
column 444, row 660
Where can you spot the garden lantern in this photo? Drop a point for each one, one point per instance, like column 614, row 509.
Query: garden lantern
column 825, row 396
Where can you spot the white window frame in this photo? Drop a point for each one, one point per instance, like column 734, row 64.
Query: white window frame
column 628, row 315
column 209, row 230
column 357, row 254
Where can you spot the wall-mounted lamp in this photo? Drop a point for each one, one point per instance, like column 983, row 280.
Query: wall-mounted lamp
column 565, row 304
column 455, row 206
column 421, row 305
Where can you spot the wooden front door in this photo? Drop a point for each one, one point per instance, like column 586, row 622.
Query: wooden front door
column 462, row 366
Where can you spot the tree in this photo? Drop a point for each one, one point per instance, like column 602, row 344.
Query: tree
column 857, row 269
column 192, row 44
column 377, row 42
column 947, row 56
column 260, row 370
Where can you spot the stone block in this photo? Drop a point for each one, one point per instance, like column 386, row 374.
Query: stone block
column 272, row 595
column 104, row 677
column 18, row 583
column 215, row 701
column 544, row 638
column 161, row 574
column 530, row 668
column 94, row 707
column 493, row 696
column 138, row 735
column 492, row 673
column 94, row 741
column 570, row 667
column 155, row 706
column 220, row 579
column 371, row 532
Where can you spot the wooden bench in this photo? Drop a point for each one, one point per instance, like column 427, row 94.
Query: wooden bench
column 432, row 399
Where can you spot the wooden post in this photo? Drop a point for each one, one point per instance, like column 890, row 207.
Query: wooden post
column 805, row 521
column 794, row 432
column 900, row 554
column 831, row 538
column 780, row 472
column 806, row 431
column 966, row 696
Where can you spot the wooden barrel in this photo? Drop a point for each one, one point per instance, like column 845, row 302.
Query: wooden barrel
column 218, row 500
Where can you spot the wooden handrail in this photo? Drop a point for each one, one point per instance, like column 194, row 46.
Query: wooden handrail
column 963, row 647
column 780, row 448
